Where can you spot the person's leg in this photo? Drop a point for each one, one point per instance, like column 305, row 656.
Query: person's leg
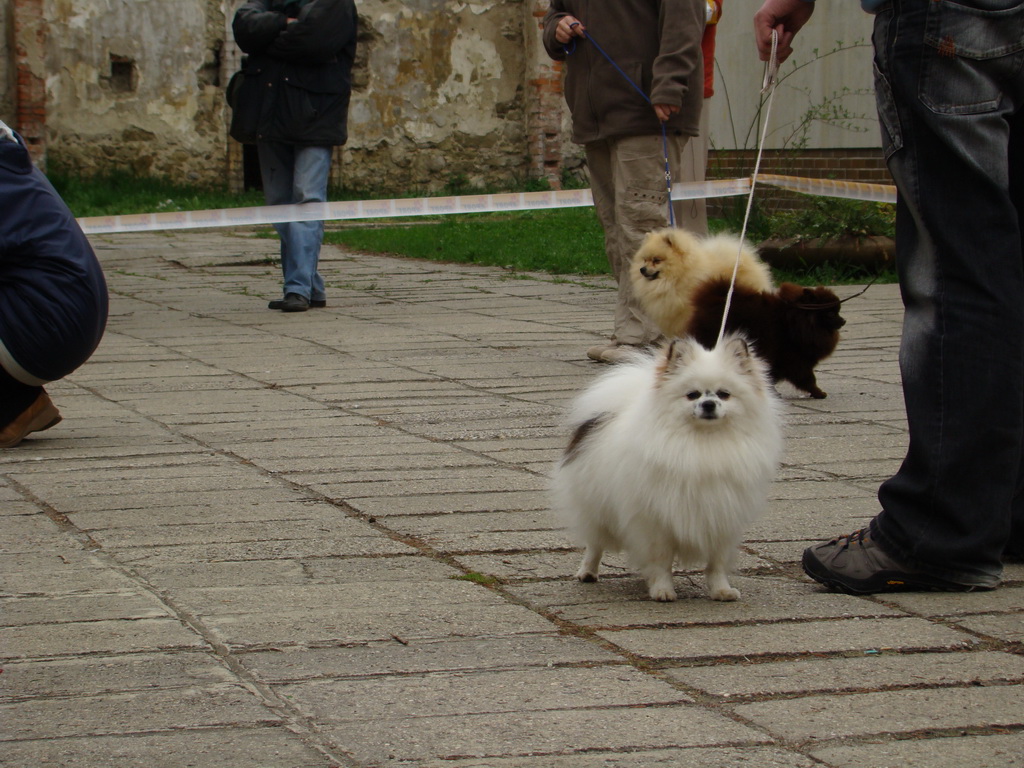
column 297, row 175
column 627, row 181
column 641, row 205
column 602, row 187
column 693, row 214
column 947, row 124
column 312, row 171
column 277, row 163
column 1015, row 544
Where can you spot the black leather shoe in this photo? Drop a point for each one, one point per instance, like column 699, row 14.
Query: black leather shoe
column 292, row 302
column 314, row 303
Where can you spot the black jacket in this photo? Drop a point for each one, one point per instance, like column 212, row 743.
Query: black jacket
column 297, row 76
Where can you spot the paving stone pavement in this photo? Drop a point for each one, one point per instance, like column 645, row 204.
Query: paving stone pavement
column 323, row 539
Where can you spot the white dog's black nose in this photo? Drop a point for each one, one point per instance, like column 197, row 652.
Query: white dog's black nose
column 708, row 409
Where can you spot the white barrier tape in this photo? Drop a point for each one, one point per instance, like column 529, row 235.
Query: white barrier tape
column 695, row 190
column 336, row 211
column 435, row 206
column 853, row 190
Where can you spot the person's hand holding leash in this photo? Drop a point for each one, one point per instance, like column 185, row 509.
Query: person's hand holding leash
column 784, row 16
column 568, row 28
column 665, row 111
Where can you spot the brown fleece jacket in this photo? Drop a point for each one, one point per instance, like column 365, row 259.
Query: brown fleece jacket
column 656, row 42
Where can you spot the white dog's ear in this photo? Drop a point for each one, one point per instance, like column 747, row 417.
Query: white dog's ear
column 678, row 353
column 740, row 350
column 737, row 346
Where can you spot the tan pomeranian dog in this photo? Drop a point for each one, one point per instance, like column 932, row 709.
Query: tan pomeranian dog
column 671, row 264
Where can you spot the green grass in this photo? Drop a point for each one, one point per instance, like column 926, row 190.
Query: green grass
column 560, row 242
column 566, row 241
column 486, row 580
column 121, row 192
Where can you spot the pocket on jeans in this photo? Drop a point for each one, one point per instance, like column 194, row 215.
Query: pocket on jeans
column 971, row 51
column 888, row 115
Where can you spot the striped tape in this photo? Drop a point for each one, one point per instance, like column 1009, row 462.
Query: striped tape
column 439, row 206
column 853, row 190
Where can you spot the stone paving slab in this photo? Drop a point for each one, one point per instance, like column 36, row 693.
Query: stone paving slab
column 232, row 746
column 997, row 751
column 324, row 540
column 612, row 603
column 447, row 694
column 838, row 636
column 692, row 757
column 892, row 712
column 865, row 671
column 395, row 741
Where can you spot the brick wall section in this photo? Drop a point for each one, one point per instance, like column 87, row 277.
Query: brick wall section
column 866, row 165
column 544, row 126
column 848, row 164
column 544, row 103
column 30, row 88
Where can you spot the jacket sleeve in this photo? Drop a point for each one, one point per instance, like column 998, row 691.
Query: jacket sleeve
column 323, row 29
column 256, row 27
column 676, row 68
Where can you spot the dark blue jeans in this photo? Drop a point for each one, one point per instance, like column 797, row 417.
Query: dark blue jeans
column 950, row 87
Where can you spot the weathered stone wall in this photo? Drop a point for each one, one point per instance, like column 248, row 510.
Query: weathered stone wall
column 138, row 84
column 445, row 90
column 440, row 96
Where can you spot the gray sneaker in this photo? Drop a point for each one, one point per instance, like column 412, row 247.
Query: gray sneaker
column 856, row 565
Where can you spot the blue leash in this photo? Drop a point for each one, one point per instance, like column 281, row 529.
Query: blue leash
column 664, row 131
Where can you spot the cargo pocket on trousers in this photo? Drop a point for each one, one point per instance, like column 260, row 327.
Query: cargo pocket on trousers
column 646, row 208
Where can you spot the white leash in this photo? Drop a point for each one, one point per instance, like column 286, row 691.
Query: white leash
column 771, row 71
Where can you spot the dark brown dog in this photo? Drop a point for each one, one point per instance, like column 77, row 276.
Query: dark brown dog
column 792, row 330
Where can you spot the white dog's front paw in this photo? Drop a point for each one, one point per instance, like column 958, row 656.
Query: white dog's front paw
column 661, row 590
column 725, row 594
column 590, row 564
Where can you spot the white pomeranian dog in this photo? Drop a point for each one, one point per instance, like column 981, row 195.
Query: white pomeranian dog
column 670, row 460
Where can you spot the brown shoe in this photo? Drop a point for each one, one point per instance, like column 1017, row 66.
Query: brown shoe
column 596, row 353
column 614, row 353
column 42, row 414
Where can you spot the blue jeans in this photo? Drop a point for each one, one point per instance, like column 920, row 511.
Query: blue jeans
column 950, row 89
column 294, row 174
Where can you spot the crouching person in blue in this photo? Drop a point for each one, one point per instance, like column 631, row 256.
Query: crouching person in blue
column 53, row 298
column 293, row 104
